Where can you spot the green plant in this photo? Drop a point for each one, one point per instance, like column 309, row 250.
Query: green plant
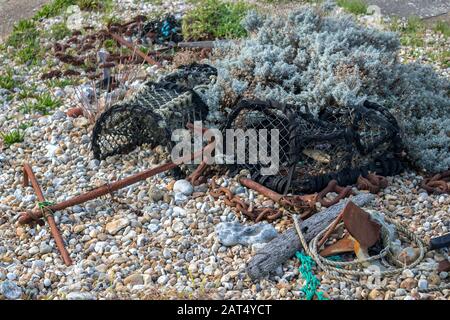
column 414, row 25
column 25, row 38
column 211, row 19
column 91, row 5
column 25, row 125
column 411, row 33
column 23, row 32
column 43, row 104
column 443, row 27
column 110, row 45
column 14, row 136
column 155, row 2
column 59, row 31
column 53, row 8
column 30, row 53
column 7, row 80
column 60, row 83
column 27, row 92
column 109, row 19
column 353, row 6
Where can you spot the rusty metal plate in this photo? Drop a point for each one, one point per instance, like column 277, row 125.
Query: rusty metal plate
column 342, row 246
column 360, row 225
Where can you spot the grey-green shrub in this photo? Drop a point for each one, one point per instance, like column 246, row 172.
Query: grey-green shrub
column 316, row 58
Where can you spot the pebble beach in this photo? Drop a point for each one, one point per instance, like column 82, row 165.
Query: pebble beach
column 158, row 239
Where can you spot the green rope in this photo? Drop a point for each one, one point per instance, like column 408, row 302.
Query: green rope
column 44, row 204
column 311, row 281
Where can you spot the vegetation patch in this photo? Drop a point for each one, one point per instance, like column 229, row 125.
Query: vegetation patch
column 353, row 6
column 54, row 8
column 95, row 5
column 59, row 31
column 11, row 137
column 7, row 80
column 25, row 39
column 443, row 27
column 215, row 19
column 43, row 104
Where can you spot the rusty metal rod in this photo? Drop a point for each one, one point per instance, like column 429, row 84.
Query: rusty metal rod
column 109, row 188
column 331, row 229
column 274, row 196
column 28, row 176
column 132, row 47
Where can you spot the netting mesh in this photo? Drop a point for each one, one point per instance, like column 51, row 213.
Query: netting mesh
column 150, row 116
column 167, row 29
column 339, row 145
column 192, row 75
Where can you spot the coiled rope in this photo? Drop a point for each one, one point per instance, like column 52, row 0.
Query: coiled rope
column 336, row 269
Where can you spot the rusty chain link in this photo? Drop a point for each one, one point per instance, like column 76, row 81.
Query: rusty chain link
column 437, row 184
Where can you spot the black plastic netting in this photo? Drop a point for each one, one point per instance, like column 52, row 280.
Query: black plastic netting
column 340, row 144
column 150, row 117
column 164, row 30
column 192, row 75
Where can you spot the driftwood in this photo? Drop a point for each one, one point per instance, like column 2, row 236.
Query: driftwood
column 284, row 246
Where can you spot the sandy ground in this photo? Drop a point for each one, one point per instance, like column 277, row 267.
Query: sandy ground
column 14, row 10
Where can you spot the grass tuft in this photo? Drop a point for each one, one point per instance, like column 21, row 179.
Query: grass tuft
column 59, row 31
column 43, row 104
column 11, row 137
column 53, row 8
column 7, row 80
column 443, row 27
column 212, row 19
column 353, row 6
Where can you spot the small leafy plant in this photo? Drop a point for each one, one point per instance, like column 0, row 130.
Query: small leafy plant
column 96, row 5
column 443, row 27
column 7, row 80
column 59, row 31
column 43, row 104
column 14, row 136
column 353, row 6
column 27, row 92
column 53, row 8
column 25, row 38
column 212, row 19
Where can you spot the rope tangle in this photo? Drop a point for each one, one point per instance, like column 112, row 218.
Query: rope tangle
column 336, row 269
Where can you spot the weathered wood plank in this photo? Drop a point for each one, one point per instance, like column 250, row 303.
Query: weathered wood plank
column 284, row 246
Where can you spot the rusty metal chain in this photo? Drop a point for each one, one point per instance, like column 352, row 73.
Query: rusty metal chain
column 438, row 184
column 234, row 201
column 373, row 183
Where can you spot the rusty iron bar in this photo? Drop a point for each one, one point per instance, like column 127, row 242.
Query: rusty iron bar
column 305, row 203
column 132, row 47
column 108, row 188
column 249, row 183
column 331, row 228
column 28, row 176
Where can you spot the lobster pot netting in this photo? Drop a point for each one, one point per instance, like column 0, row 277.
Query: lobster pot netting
column 315, row 151
column 150, row 117
column 192, row 75
column 247, row 117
